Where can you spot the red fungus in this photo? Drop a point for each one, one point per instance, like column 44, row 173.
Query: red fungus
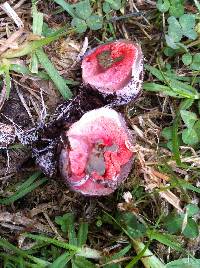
column 115, row 69
column 97, row 157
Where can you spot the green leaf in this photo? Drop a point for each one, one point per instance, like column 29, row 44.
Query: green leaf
column 30, row 47
column 153, row 87
column 65, row 221
column 95, row 22
column 118, row 255
column 174, row 29
column 132, row 226
column 79, row 24
column 165, row 239
column 187, row 59
column 170, row 42
column 37, row 21
column 176, row 8
column 189, row 136
column 46, row 30
column 80, row 262
column 197, row 128
column 29, row 185
column 106, row 7
column 185, row 104
column 65, row 6
column 82, row 234
column 115, row 4
column 163, row 5
column 7, row 245
column 191, row 230
column 175, row 88
column 186, row 185
column 195, row 65
column 173, row 223
column 53, row 241
column 192, row 210
column 145, row 255
column 167, row 133
column 183, row 89
column 189, row 118
column 72, row 235
column 37, row 29
column 61, row 261
column 18, row 68
column 169, row 52
column 187, row 22
column 184, row 263
column 154, row 71
column 34, row 64
column 54, row 74
column 83, row 9
column 7, row 80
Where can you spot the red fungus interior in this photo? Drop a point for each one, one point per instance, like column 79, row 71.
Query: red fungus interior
column 98, row 153
column 109, row 66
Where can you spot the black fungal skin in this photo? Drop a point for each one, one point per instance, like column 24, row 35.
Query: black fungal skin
column 46, row 149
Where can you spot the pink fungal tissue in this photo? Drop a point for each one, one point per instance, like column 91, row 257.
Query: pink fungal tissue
column 115, row 68
column 97, row 156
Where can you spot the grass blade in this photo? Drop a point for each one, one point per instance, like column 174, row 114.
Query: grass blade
column 30, row 47
column 7, row 81
column 18, row 68
column 53, row 73
column 7, row 245
column 175, row 142
column 72, row 235
column 61, row 261
column 29, row 181
column 165, row 239
column 24, row 188
column 82, row 234
column 147, row 257
column 53, row 241
column 67, row 7
column 37, row 29
column 37, row 20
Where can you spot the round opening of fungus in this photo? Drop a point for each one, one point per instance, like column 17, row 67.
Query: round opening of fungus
column 115, row 68
column 97, row 158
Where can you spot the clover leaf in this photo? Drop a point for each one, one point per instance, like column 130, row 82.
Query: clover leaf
column 163, row 5
column 95, row 22
column 187, row 59
column 176, row 8
column 114, row 4
column 195, row 65
column 187, row 22
column 83, row 9
column 174, row 223
column 190, row 135
column 79, row 24
column 178, row 28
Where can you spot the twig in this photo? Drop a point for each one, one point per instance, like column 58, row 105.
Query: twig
column 8, row 42
column 24, row 104
column 12, row 14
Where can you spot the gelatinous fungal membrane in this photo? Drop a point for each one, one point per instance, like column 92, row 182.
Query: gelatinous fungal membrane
column 115, row 70
column 97, row 156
